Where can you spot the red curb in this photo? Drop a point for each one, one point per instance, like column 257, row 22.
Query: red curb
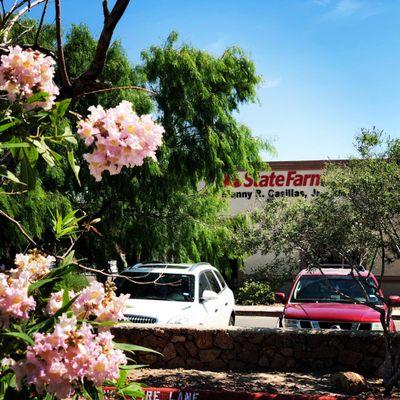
column 187, row 394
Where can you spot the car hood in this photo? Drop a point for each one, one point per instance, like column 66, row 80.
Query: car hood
column 331, row 312
column 162, row 310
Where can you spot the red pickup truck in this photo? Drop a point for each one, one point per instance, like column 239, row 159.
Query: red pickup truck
column 320, row 299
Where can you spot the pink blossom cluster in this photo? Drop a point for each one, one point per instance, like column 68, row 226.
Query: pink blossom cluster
column 120, row 138
column 33, row 264
column 59, row 361
column 96, row 302
column 14, row 299
column 26, row 72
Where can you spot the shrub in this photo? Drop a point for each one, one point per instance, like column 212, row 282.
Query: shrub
column 254, row 293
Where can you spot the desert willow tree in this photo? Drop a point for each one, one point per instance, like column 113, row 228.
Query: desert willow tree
column 156, row 211
column 355, row 219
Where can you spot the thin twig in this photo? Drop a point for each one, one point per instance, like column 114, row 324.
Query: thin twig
column 40, row 23
column 19, row 226
column 61, row 60
column 128, row 87
column 14, row 193
column 17, row 16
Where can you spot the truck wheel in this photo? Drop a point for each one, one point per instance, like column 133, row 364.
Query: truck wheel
column 232, row 320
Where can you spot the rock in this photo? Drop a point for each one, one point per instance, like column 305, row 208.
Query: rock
column 248, row 353
column 169, row 352
column 223, row 340
column 209, row 355
column 178, row 338
column 235, row 365
column 180, row 349
column 287, row 352
column 177, row 362
column 193, row 363
column 217, row 365
column 349, row 357
column 191, row 348
column 263, row 361
column 349, row 383
column 155, row 342
column 204, row 340
column 278, row 362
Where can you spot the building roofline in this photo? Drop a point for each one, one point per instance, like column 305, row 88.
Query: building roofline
column 302, row 164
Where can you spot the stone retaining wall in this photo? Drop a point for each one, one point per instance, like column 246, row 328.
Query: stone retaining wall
column 256, row 349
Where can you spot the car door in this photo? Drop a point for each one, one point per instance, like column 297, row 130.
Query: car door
column 227, row 299
column 208, row 308
column 220, row 310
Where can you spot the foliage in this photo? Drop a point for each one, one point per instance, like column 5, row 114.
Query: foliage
column 155, row 212
column 254, row 292
column 163, row 215
column 260, row 285
column 356, row 219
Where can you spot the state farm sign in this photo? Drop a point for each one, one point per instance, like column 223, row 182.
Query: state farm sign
column 248, row 193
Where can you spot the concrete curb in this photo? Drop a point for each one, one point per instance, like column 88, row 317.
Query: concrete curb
column 189, row 394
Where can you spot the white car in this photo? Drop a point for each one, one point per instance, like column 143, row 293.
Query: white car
column 188, row 294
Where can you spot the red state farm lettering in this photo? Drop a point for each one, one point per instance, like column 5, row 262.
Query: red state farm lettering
column 273, row 179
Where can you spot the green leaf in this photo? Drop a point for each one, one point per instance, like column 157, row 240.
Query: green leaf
column 92, row 391
column 28, row 174
column 12, row 145
column 132, row 366
column 69, row 136
column 47, row 325
column 41, row 96
column 10, row 176
column 133, row 348
column 134, row 390
column 62, row 107
column 19, row 335
column 40, row 283
column 75, row 168
column 122, row 379
column 67, row 259
column 8, row 125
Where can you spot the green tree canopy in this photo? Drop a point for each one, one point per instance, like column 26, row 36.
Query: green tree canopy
column 156, row 211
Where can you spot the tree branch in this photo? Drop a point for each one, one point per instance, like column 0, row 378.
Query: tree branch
column 110, row 22
column 61, row 60
column 40, row 23
column 19, row 226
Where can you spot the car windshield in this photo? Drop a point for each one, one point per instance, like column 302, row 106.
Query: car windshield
column 157, row 286
column 320, row 288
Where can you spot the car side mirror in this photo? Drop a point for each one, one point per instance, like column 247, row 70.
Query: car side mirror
column 208, row 295
column 394, row 300
column 280, row 297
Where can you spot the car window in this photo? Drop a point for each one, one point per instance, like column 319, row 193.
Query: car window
column 215, row 286
column 334, row 289
column 220, row 279
column 157, row 286
column 203, row 284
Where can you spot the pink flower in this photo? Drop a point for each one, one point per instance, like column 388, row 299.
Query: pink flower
column 26, row 72
column 59, row 361
column 14, row 299
column 120, row 138
column 96, row 302
column 15, row 303
column 34, row 264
